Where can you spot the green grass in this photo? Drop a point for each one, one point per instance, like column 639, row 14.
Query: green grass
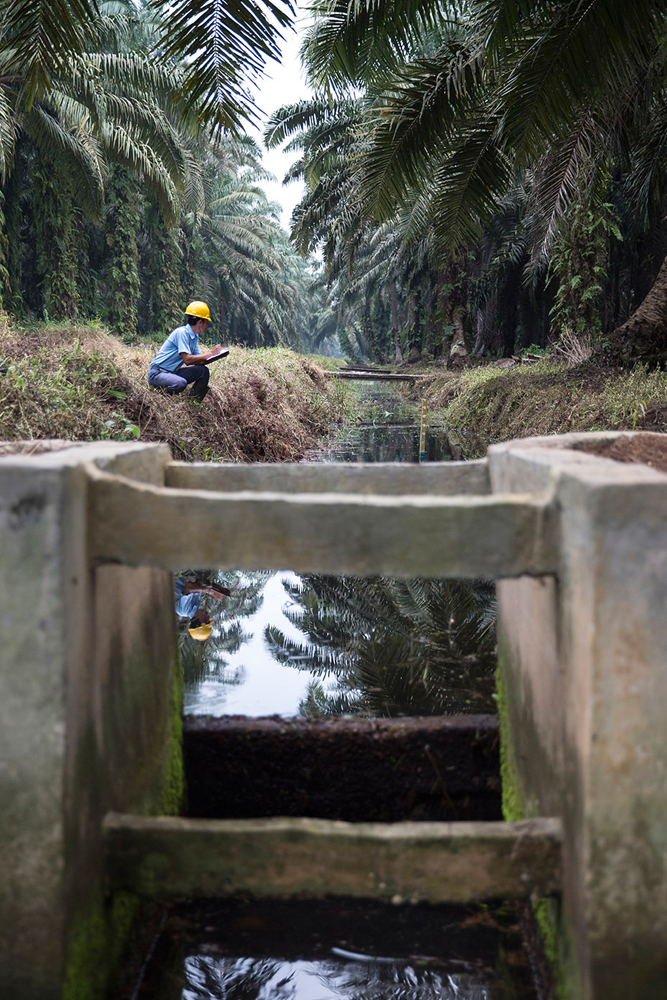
column 485, row 405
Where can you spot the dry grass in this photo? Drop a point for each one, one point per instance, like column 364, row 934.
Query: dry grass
column 83, row 384
column 575, row 349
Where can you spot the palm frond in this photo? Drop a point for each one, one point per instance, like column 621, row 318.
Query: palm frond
column 8, row 124
column 563, row 57
column 81, row 148
column 38, row 35
column 465, row 191
column 233, row 39
column 412, row 121
column 351, row 44
column 559, row 178
column 139, row 156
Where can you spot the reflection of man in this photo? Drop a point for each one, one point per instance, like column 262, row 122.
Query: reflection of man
column 188, row 595
column 179, row 360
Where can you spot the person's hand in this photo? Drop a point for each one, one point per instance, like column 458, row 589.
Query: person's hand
column 218, row 592
column 214, row 350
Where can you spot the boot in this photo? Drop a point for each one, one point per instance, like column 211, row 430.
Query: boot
column 198, row 392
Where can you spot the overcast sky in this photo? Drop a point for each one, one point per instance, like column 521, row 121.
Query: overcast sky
column 283, row 84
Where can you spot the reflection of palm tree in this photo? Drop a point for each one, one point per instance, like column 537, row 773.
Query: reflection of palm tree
column 236, row 979
column 268, row 979
column 375, row 981
column 418, row 647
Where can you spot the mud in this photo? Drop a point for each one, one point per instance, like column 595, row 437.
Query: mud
column 643, row 449
column 440, row 768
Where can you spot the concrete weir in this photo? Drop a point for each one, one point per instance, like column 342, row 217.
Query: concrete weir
column 90, row 760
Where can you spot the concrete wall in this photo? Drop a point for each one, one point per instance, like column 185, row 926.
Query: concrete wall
column 88, row 713
column 87, row 718
column 584, row 683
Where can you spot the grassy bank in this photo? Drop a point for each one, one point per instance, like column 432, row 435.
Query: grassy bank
column 488, row 404
column 83, row 384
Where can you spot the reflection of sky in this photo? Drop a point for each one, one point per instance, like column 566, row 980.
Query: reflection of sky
column 259, row 684
column 213, row 978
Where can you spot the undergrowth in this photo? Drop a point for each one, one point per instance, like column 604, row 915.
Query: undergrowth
column 487, row 404
column 82, row 384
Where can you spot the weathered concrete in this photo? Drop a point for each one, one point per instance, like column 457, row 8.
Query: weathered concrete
column 431, row 862
column 584, row 672
column 379, row 478
column 583, row 666
column 87, row 663
column 399, row 536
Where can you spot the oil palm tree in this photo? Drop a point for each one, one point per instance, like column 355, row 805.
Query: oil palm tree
column 231, row 40
column 103, row 108
column 564, row 89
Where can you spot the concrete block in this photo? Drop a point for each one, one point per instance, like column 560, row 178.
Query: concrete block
column 399, row 536
column 88, row 654
column 584, row 673
column 431, row 862
column 379, row 478
column 87, row 674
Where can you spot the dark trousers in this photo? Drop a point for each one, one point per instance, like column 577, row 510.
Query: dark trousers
column 175, row 382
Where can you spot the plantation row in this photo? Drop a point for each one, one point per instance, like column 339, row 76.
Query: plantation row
column 480, row 176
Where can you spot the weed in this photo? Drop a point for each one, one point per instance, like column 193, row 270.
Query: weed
column 82, row 384
column 487, row 404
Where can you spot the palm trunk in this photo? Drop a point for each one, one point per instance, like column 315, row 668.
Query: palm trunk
column 458, row 352
column 643, row 337
column 398, row 354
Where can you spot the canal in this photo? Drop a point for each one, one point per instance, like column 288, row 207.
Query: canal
column 319, row 647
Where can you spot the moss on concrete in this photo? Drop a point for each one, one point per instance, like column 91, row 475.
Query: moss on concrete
column 97, row 940
column 172, row 785
column 512, row 797
column 555, row 939
column 99, row 933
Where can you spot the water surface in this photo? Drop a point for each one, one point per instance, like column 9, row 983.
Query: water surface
column 338, row 950
column 316, row 645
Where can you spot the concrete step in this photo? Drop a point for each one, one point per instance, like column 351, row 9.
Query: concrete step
column 286, row 857
column 358, row 770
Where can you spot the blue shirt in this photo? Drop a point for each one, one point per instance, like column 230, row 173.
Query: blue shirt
column 186, row 604
column 182, row 339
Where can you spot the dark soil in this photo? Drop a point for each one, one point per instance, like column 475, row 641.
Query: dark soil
column 642, row 449
column 440, row 768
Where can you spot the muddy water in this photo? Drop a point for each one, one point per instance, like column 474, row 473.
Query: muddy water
column 318, row 646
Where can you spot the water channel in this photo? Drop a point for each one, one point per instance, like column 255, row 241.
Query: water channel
column 318, row 646
column 315, row 645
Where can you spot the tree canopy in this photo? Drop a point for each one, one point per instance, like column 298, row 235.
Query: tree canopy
column 512, row 150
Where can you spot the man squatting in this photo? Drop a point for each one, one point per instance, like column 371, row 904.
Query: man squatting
column 179, row 360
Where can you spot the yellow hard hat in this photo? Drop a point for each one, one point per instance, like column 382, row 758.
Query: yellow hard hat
column 201, row 633
column 199, row 309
